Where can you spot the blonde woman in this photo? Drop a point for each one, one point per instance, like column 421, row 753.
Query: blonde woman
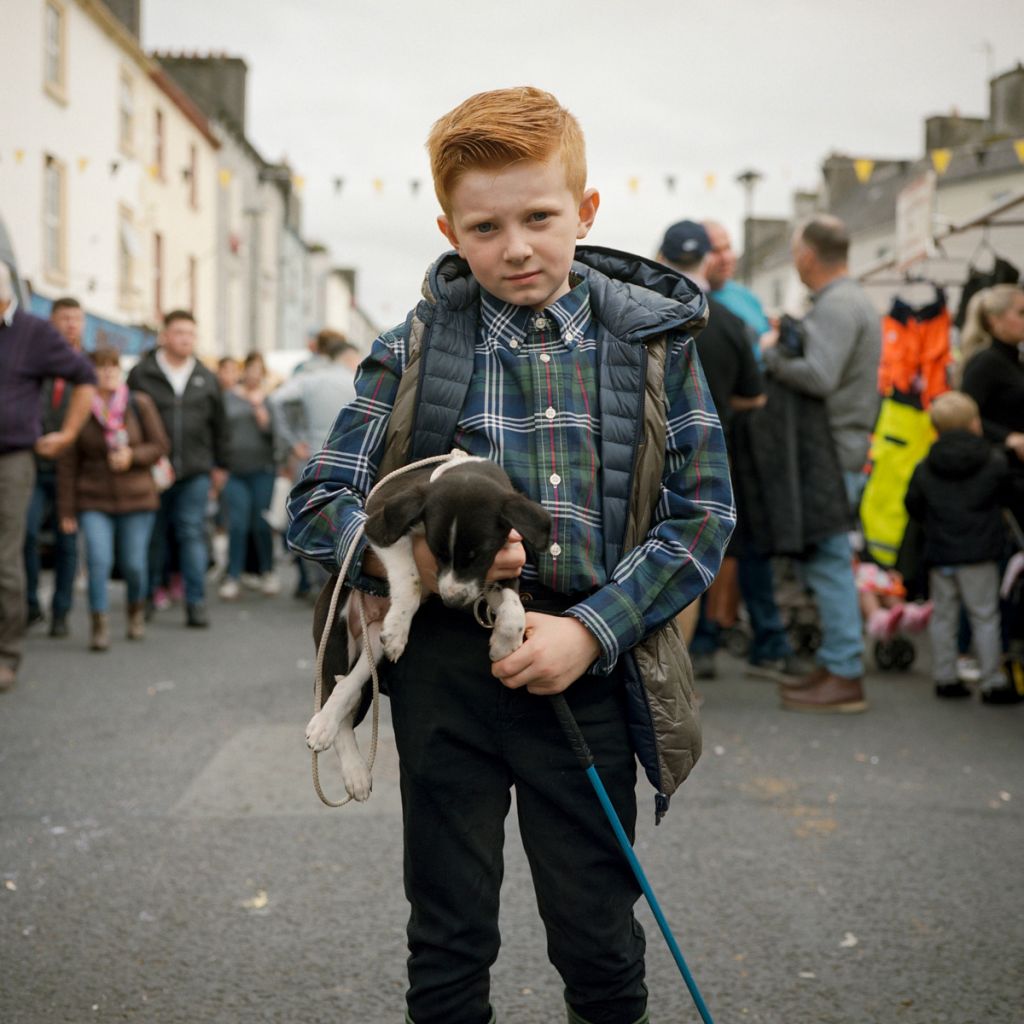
column 993, row 373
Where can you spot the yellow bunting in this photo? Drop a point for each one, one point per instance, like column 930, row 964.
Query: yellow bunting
column 19, row 155
column 1018, row 147
column 378, row 185
column 154, row 171
column 634, row 185
column 863, row 169
column 940, row 159
column 83, row 162
column 709, row 181
column 224, row 177
column 298, row 182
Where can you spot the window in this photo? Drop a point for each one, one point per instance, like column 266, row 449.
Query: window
column 128, row 251
column 54, row 65
column 54, row 219
column 158, row 145
column 158, row 275
column 193, row 174
column 126, row 114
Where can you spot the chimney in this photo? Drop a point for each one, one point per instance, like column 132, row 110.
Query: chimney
column 941, row 132
column 216, row 84
column 1006, row 103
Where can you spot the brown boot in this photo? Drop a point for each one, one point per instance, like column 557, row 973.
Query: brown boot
column 100, row 639
column 136, row 620
column 830, row 694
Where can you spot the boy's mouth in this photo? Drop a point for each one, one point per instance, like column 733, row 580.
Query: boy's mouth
column 523, row 277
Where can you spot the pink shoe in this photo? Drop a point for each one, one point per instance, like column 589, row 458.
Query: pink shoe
column 161, row 599
column 177, row 587
column 916, row 616
column 883, row 622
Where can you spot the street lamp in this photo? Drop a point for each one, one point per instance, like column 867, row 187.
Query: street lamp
column 748, row 179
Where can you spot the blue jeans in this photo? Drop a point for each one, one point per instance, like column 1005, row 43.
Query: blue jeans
column 828, row 571
column 183, row 507
column 130, row 532
column 757, row 586
column 42, row 507
column 246, row 497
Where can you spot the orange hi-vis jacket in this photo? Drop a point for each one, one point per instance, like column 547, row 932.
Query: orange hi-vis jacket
column 915, row 350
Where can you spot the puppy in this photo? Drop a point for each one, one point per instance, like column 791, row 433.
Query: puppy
column 464, row 509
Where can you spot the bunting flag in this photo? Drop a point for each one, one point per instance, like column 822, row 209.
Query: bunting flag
column 1018, row 147
column 940, row 160
column 339, row 184
column 670, row 182
column 115, row 166
column 709, row 181
column 83, row 162
column 298, row 182
column 863, row 169
column 414, row 186
column 224, row 177
column 378, row 185
column 634, row 185
column 19, row 155
column 153, row 171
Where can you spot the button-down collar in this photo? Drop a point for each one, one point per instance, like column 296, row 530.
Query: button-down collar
column 510, row 325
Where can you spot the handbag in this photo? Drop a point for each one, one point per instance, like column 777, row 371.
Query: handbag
column 163, row 473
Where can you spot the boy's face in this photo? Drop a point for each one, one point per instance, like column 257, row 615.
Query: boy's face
column 517, row 228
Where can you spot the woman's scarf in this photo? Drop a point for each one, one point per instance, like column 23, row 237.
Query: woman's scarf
column 111, row 415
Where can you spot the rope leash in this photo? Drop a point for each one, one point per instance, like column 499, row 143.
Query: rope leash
column 321, row 652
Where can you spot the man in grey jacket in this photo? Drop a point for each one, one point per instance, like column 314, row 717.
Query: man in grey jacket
column 842, row 346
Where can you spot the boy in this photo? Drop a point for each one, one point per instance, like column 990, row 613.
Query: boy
column 539, row 361
column 956, row 492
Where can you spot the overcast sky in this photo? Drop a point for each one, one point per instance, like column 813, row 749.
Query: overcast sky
column 349, row 89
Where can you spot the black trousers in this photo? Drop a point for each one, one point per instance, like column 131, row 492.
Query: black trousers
column 463, row 741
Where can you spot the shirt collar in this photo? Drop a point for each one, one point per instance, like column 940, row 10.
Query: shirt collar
column 8, row 317
column 569, row 315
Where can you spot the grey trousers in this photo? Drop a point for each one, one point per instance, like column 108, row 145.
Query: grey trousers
column 17, row 477
column 977, row 588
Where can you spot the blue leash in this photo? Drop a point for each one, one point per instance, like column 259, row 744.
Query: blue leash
column 586, row 759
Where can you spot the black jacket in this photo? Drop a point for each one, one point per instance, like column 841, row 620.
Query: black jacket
column 956, row 493
column 195, row 422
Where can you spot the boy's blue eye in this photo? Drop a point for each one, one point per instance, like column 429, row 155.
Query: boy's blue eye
column 538, row 216
column 483, row 229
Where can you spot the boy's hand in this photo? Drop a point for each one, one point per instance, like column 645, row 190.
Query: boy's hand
column 556, row 652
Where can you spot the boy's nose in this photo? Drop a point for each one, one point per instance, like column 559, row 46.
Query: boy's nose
column 517, row 249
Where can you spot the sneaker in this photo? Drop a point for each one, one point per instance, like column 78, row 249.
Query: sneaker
column 703, row 666
column 59, row 626
column 161, row 599
column 967, row 669
column 229, row 590
column 196, row 617
column 951, row 690
column 788, row 669
column 35, row 615
column 270, row 585
column 1001, row 695
column 251, row 581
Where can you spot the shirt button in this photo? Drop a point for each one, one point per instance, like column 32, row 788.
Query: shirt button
column 555, row 479
column 555, row 549
column 513, row 343
column 545, row 358
column 541, row 323
column 550, row 413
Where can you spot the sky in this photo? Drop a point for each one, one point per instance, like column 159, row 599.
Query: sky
column 695, row 91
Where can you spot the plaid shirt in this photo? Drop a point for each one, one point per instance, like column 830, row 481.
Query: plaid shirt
column 532, row 406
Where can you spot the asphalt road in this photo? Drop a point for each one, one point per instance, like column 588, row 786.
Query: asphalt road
column 163, row 857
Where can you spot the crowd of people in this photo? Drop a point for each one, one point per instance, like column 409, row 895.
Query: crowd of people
column 162, row 478
column 172, row 471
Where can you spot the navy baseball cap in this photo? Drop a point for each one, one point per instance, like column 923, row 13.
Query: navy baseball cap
column 685, row 242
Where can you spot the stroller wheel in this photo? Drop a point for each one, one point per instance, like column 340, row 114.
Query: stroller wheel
column 903, row 653
column 885, row 657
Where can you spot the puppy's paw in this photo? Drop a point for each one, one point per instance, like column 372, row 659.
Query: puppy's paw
column 321, row 731
column 394, row 636
column 355, row 775
column 504, row 640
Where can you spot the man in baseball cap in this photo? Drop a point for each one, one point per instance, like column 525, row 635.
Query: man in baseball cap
column 685, row 243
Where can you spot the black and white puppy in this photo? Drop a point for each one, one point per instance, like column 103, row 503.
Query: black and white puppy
column 464, row 509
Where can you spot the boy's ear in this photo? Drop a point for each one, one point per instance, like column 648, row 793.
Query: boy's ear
column 396, row 517
column 448, row 231
column 588, row 211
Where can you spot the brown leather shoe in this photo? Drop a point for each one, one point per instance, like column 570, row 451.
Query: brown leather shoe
column 831, row 694
column 813, row 678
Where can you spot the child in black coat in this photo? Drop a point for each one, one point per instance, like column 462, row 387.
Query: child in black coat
column 956, row 493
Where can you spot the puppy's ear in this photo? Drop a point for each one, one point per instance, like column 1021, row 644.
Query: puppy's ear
column 396, row 517
column 533, row 521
